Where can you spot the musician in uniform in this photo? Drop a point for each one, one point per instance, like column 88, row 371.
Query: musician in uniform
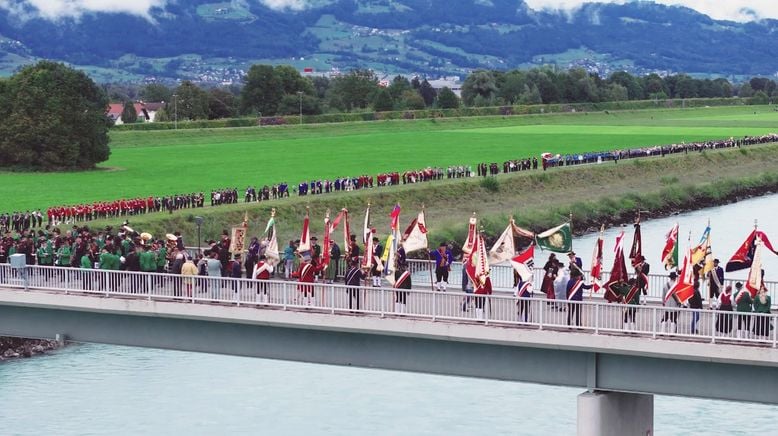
column 402, row 283
column 261, row 272
column 353, row 279
column 378, row 251
column 715, row 280
column 575, row 288
column 443, row 260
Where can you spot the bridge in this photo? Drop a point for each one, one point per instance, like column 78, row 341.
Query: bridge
column 435, row 332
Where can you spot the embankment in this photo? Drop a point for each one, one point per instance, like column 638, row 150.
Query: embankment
column 11, row 348
column 607, row 194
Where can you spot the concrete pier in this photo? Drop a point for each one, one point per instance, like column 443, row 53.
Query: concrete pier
column 615, row 414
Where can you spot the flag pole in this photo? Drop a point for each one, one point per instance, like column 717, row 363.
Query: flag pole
column 429, row 256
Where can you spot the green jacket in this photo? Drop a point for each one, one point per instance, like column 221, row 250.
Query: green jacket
column 762, row 308
column 743, row 303
column 64, row 254
column 44, row 255
column 148, row 261
column 86, row 262
column 161, row 257
column 109, row 261
column 624, row 289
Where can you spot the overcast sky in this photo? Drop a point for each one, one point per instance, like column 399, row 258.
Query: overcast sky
column 737, row 10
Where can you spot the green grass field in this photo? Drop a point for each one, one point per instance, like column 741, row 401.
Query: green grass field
column 146, row 163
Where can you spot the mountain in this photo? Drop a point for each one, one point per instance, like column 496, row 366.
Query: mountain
column 217, row 41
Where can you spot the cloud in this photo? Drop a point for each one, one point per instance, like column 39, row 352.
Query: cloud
column 58, row 9
column 295, row 5
column 735, row 10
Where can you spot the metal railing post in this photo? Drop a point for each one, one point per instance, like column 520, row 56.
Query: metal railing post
column 434, row 305
column 285, row 290
column 332, row 300
column 540, row 315
column 712, row 327
column 653, row 322
column 597, row 318
column 775, row 331
column 383, row 302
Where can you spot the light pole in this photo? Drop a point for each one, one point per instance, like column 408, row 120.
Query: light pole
column 175, row 111
column 199, row 222
column 300, row 93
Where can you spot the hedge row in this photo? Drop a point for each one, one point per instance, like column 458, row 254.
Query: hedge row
column 438, row 113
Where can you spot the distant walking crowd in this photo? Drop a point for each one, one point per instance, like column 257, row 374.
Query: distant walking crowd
column 58, row 215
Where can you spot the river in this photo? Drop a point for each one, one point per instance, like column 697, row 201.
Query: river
column 99, row 389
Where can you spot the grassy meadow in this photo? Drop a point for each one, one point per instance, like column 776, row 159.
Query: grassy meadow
column 146, row 163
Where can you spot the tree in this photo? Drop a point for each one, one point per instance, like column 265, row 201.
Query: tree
column 427, row 92
column 221, row 104
column 634, row 88
column 760, row 97
column 399, row 85
column 156, row 92
column 745, row 91
column 512, row 86
column 383, row 101
column 356, row 88
column 129, row 114
column 53, row 118
column 291, row 80
column 447, row 99
column 412, row 100
column 262, row 91
column 479, row 83
column 616, row 92
column 531, row 95
column 191, row 102
column 290, row 105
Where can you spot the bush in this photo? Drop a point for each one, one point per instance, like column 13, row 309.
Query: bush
column 490, row 184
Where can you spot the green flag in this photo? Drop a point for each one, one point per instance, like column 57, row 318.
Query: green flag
column 559, row 239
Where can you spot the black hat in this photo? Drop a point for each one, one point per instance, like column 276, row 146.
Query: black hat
column 738, row 285
column 673, row 275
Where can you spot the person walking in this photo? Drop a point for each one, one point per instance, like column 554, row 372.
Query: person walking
column 552, row 269
column 353, row 279
column 669, row 323
column 262, row 271
column 443, row 260
column 724, row 319
column 742, row 307
column 695, row 303
column 188, row 271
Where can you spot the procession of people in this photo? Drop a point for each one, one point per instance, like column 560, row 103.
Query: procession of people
column 59, row 215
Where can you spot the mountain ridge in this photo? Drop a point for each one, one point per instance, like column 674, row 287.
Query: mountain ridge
column 215, row 41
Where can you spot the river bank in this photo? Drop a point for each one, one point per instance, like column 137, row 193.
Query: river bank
column 608, row 194
column 13, row 348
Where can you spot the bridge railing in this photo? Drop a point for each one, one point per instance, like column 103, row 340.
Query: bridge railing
column 502, row 279
column 499, row 310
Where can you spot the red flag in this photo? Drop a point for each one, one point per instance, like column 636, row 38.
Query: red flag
column 636, row 253
column 684, row 287
column 754, row 283
column 524, row 262
column 670, row 252
column 305, row 237
column 472, row 235
column 619, row 270
column 326, row 249
column 745, row 254
column 597, row 264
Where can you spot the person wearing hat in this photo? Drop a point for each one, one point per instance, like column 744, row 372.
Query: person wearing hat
column 443, row 260
column 352, row 279
column 743, row 302
column 715, row 281
column 576, row 265
column 641, row 276
column 378, row 250
column 552, row 270
column 669, row 323
column 724, row 320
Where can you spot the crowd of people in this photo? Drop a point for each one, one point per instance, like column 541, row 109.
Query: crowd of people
column 58, row 215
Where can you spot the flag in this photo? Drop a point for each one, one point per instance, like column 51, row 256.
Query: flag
column 597, row 262
column 343, row 216
column 305, row 239
column 754, row 283
column 684, row 287
column 477, row 268
column 636, row 252
column 744, row 255
column 366, row 229
column 504, row 249
column 700, row 251
column 670, row 252
column 524, row 262
column 389, row 257
column 415, row 236
column 325, row 250
column 271, row 241
column 368, row 257
column 559, row 239
column 619, row 270
column 471, row 235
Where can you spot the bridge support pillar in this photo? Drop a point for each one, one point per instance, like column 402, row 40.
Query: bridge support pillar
column 615, row 413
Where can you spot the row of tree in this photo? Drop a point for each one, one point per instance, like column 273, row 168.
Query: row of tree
column 281, row 90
